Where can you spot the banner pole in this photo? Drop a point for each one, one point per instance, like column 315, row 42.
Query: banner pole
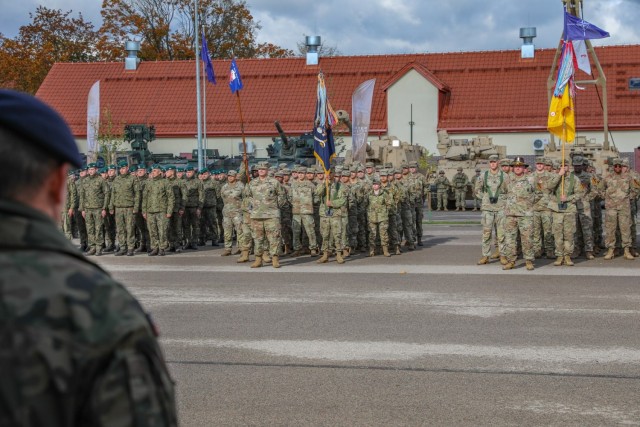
column 245, row 159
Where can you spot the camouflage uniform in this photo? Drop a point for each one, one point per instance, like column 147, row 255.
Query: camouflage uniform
column 442, row 191
column 477, row 202
column 286, row 219
column 123, row 197
column 617, row 190
column 94, row 200
column 331, row 217
column 584, row 226
column 266, row 198
column 71, row 203
column 542, row 217
column 174, row 230
column 520, row 192
column 564, row 221
column 231, row 195
column 420, row 192
column 302, row 201
column 219, row 209
column 159, row 202
column 209, row 217
column 405, row 209
column 142, row 232
column 80, row 221
column 460, row 182
column 76, row 348
column 110, row 231
column 193, row 195
column 490, row 186
column 394, row 239
column 378, row 205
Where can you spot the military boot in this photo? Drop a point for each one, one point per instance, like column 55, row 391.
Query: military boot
column 484, row 260
column 266, row 258
column 120, row 252
column 503, row 260
column 287, row 250
column 628, row 255
column 226, row 252
column 419, row 242
column 236, row 252
column 398, row 251
column 550, row 255
column 509, row 265
column 257, row 263
column 275, row 261
column 91, row 251
column 153, row 252
column 296, row 253
column 567, row 261
column 141, row 249
column 610, row 254
column 314, row 252
column 324, row 258
column 244, row 257
column 635, row 252
column 161, row 252
column 372, row 252
column 589, row 255
column 130, row 252
column 529, row 265
column 339, row 257
column 99, row 252
column 558, row 261
column 345, row 253
column 385, row 251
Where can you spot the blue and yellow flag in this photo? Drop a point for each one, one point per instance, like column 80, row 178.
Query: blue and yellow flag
column 562, row 119
column 324, row 147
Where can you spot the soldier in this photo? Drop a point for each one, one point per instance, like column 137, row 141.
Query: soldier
column 94, row 201
column 363, row 223
column 378, row 204
column 635, row 177
column 80, row 222
column 442, row 191
column 193, row 195
column 584, row 225
column 405, row 209
column 394, row 194
column 491, row 188
column 302, row 204
column 220, row 180
column 122, row 208
column 142, row 232
column 70, row 333
column 71, row 205
column 460, row 182
column 286, row 218
column 231, row 194
column 174, row 229
column 209, row 217
column 477, row 202
column 332, row 198
column 567, row 193
column 157, row 209
column 542, row 217
column 520, row 191
column 267, row 197
column 420, row 192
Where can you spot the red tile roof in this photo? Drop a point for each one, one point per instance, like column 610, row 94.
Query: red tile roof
column 481, row 92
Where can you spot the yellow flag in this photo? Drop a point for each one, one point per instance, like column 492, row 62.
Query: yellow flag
column 561, row 112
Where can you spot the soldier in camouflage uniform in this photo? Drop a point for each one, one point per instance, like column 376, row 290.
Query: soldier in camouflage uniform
column 394, row 239
column 174, row 229
column 157, row 209
column 121, row 207
column 193, row 195
column 491, row 188
column 209, row 217
column 71, row 205
column 286, row 214
column 110, row 220
column 379, row 201
column 420, row 192
column 302, row 204
column 94, row 201
column 345, row 178
column 542, row 217
column 363, row 223
column 267, row 197
column 142, row 232
column 635, row 177
column 220, row 180
column 80, row 222
column 460, row 182
column 332, row 199
column 584, row 225
column 477, row 203
column 70, row 333
column 442, row 191
column 406, row 210
column 231, row 194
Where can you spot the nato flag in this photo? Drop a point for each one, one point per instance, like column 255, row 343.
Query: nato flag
column 235, row 82
column 208, row 66
column 578, row 29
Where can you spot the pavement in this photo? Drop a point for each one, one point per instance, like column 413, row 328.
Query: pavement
column 425, row 338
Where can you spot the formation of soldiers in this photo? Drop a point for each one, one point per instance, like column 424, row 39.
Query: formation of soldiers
column 556, row 211
column 270, row 212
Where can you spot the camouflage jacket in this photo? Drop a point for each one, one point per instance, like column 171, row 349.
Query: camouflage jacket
column 442, row 184
column 158, row 196
column 140, row 184
column 94, row 194
column 460, row 181
column 338, row 197
column 266, row 197
column 211, row 190
column 193, row 193
column 302, row 197
column 232, row 197
column 573, row 190
column 491, row 186
column 520, row 191
column 378, row 206
column 545, row 183
column 176, row 186
column 123, row 192
column 72, row 201
column 75, row 347
column 617, row 190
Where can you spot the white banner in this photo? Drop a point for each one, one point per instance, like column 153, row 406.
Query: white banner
column 93, row 120
column 361, row 119
column 580, row 48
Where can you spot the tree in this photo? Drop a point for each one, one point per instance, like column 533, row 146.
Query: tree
column 323, row 49
column 52, row 36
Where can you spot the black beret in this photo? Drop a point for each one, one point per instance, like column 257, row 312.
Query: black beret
column 35, row 121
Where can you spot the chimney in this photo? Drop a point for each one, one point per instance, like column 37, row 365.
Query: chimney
column 312, row 42
column 527, row 35
column 132, row 61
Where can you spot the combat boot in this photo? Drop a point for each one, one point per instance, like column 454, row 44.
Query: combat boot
column 635, row 252
column 244, row 257
column 99, row 252
column 509, row 266
column 610, row 254
column 345, row 253
column 287, row 250
column 153, row 252
column 130, row 252
column 141, row 249
column 496, row 254
column 257, row 263
column 236, row 252
column 484, row 260
column 628, row 255
column 398, row 251
column 339, row 257
column 589, row 255
column 226, row 252
column 161, row 252
column 558, row 261
column 419, row 242
column 385, row 251
column 275, row 261
column 266, row 258
column 550, row 255
column 120, row 252
column 91, row 251
column 567, row 261
column 529, row 265
column 464, row 209
column 314, row 252
column 324, row 258
column 503, row 260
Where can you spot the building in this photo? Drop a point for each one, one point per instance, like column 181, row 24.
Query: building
column 494, row 93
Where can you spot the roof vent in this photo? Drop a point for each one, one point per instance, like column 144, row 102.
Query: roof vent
column 313, row 43
column 527, row 35
column 131, row 61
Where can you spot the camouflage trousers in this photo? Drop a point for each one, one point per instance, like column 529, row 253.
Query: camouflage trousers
column 442, row 197
column 331, row 231
column 219, row 218
column 362, row 227
column 406, row 224
column 542, row 232
column 461, row 198
column 174, row 230
column 286, row 226
column 353, row 228
column 419, row 214
column 158, row 223
column 584, row 230
column 307, row 222
column 378, row 229
column 477, row 203
column 82, row 228
column 513, row 225
column 142, row 232
column 266, row 236
column 596, row 216
column 634, row 214
column 394, row 239
column 564, row 229
column 208, row 225
column 345, row 231
column 232, row 220
column 126, row 226
column 191, row 226
column 247, row 232
column 66, row 225
column 110, row 229
column 95, row 228
column 493, row 221
column 316, row 218
column 614, row 218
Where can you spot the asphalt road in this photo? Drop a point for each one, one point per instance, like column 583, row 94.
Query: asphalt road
column 425, row 338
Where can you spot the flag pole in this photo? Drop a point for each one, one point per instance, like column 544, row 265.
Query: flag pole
column 564, row 141
column 245, row 160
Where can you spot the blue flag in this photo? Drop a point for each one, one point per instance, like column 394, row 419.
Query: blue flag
column 324, row 147
column 208, row 66
column 578, row 29
column 235, row 82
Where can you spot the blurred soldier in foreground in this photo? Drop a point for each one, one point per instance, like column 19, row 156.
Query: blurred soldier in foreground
column 76, row 349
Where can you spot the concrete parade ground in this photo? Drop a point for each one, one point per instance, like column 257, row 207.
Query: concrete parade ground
column 424, row 338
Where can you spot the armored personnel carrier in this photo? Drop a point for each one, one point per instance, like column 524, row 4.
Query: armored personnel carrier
column 599, row 154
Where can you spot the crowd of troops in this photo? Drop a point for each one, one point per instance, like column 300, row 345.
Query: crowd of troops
column 555, row 210
column 267, row 211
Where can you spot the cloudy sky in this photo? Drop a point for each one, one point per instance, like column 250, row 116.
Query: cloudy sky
column 395, row 26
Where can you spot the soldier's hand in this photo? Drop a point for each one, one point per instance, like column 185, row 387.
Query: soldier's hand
column 144, row 215
column 103, row 213
column 563, row 198
column 112, row 212
column 329, row 204
column 70, row 213
column 84, row 214
column 168, row 215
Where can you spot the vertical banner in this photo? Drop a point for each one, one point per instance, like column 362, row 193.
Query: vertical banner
column 361, row 118
column 93, row 120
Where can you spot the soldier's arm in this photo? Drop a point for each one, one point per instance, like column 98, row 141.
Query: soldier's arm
column 106, row 189
column 171, row 197
column 200, row 195
column 112, row 198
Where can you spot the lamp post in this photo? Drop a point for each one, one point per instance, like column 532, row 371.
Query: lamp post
column 198, row 95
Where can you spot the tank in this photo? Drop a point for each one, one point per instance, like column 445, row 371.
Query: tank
column 291, row 150
column 600, row 154
column 466, row 154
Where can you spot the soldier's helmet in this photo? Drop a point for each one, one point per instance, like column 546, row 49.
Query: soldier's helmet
column 441, row 172
column 577, row 161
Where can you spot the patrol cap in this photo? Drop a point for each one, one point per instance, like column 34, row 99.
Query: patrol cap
column 505, row 162
column 397, row 171
column 375, row 180
column 493, row 158
column 282, row 166
column 232, row 173
column 278, row 174
column 286, row 172
column 405, row 166
column 383, row 172
column 368, row 165
column 413, row 164
column 345, row 173
column 353, row 169
column 625, row 162
column 262, row 165
column 617, row 161
column 540, row 160
column 548, row 162
column 359, row 169
column 33, row 120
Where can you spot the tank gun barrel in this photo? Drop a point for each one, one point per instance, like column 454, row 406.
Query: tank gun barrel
column 285, row 140
column 343, row 117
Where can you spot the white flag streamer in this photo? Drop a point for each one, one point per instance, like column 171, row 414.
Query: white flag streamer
column 93, row 119
column 361, row 119
column 580, row 48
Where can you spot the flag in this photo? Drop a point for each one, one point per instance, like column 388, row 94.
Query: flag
column 578, row 29
column 93, row 119
column 235, row 82
column 361, row 117
column 580, row 48
column 561, row 116
column 324, row 148
column 208, row 66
